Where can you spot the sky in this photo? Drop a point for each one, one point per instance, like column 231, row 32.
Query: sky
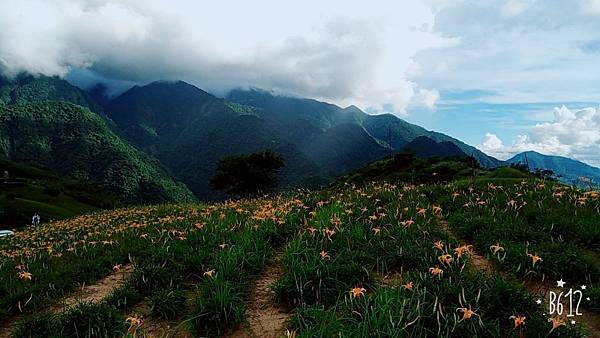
column 505, row 76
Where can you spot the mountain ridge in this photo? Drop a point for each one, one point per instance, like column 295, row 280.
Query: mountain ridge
column 186, row 130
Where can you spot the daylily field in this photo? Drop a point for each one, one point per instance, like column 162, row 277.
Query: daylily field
column 379, row 260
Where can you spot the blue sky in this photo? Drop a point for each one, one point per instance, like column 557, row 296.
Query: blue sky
column 505, row 76
column 471, row 120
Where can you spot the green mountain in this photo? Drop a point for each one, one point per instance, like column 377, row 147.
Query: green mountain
column 72, row 140
column 189, row 130
column 568, row 170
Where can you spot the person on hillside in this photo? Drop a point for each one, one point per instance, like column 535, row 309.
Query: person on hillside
column 35, row 220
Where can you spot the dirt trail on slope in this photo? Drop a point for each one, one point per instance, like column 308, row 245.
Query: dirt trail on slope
column 478, row 261
column 89, row 293
column 266, row 319
column 155, row 327
column 590, row 320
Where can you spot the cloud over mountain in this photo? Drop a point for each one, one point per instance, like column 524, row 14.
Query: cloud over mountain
column 346, row 52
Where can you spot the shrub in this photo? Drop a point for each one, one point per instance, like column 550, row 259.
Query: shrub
column 123, row 298
column 168, row 304
column 45, row 325
column 218, row 306
column 92, row 320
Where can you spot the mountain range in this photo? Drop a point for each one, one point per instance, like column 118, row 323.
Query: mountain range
column 567, row 170
column 161, row 141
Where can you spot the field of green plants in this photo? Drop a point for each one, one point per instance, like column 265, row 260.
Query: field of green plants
column 374, row 260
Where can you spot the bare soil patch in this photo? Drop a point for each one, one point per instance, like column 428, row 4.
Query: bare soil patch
column 266, row 318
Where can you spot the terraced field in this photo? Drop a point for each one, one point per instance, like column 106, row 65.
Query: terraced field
column 380, row 260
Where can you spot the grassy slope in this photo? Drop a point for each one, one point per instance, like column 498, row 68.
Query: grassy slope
column 50, row 195
column 174, row 247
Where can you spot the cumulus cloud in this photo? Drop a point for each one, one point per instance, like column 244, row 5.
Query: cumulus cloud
column 493, row 146
column 357, row 55
column 571, row 133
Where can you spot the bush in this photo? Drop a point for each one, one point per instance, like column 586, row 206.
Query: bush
column 45, row 325
column 92, row 320
column 219, row 305
column 168, row 304
column 123, row 298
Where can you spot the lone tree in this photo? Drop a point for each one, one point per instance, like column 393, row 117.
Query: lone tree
column 247, row 175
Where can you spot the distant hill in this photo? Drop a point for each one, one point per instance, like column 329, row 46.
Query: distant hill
column 568, row 170
column 71, row 140
column 28, row 189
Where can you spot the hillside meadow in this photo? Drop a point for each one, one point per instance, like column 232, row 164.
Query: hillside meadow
column 380, row 259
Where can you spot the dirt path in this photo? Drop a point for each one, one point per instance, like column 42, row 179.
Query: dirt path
column 90, row 293
column 266, row 319
column 540, row 289
column 477, row 260
column 155, row 327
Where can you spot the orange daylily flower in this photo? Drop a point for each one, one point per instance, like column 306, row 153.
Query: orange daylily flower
column 117, row 267
column 467, row 312
column 357, row 292
column 421, row 212
column 376, row 231
column 328, row 233
column 223, row 246
column 325, row 255
column 439, row 245
column 312, row 230
column 408, row 286
column 209, row 273
column 556, row 322
column 24, row 275
column 535, row 259
column 519, row 320
column 463, row 249
column 436, row 271
column 446, row 259
column 134, row 323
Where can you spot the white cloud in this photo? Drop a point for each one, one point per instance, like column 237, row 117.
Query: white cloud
column 360, row 54
column 426, row 98
column 493, row 146
column 573, row 134
column 521, row 50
